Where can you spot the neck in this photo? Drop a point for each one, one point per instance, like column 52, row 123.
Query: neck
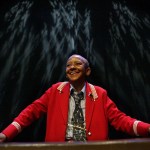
column 78, row 87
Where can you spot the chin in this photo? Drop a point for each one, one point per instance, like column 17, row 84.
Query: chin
column 73, row 80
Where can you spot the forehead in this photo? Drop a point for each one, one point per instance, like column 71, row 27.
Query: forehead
column 76, row 58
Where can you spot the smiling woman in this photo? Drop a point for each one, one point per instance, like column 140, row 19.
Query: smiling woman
column 77, row 69
column 37, row 37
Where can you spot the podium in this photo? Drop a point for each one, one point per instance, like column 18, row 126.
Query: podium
column 126, row 144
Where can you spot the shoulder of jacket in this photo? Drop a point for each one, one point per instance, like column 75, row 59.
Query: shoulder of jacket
column 96, row 90
column 93, row 91
column 61, row 86
column 99, row 88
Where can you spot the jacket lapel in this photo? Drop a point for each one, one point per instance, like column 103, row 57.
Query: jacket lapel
column 89, row 106
column 63, row 97
column 64, row 101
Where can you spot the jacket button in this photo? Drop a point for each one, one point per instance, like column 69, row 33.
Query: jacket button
column 89, row 133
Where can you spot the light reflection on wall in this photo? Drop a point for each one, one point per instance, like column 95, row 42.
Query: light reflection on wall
column 130, row 56
column 50, row 46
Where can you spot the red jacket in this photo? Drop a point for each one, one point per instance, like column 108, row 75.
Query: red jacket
column 100, row 110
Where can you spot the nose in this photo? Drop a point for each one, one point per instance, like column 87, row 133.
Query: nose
column 71, row 66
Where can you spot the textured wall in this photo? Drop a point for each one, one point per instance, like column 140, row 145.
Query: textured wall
column 36, row 38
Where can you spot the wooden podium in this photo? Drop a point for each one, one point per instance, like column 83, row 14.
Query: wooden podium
column 127, row 144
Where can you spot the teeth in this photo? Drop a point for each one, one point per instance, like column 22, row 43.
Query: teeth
column 72, row 73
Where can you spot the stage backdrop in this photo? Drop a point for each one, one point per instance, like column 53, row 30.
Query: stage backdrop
column 37, row 37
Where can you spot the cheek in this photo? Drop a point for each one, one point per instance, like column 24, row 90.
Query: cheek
column 66, row 70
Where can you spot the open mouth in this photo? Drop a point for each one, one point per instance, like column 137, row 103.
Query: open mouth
column 73, row 73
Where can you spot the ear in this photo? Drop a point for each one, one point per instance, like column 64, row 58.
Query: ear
column 88, row 71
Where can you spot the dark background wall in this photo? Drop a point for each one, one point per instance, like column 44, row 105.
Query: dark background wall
column 37, row 37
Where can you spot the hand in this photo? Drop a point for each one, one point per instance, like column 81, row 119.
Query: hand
column 149, row 131
column 2, row 137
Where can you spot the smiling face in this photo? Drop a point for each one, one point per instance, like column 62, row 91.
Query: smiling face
column 77, row 68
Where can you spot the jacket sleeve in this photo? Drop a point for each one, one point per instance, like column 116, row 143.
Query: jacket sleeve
column 28, row 115
column 122, row 122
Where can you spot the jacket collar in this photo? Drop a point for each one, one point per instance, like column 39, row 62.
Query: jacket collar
column 91, row 92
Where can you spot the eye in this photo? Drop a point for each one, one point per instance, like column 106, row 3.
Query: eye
column 78, row 63
column 67, row 65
